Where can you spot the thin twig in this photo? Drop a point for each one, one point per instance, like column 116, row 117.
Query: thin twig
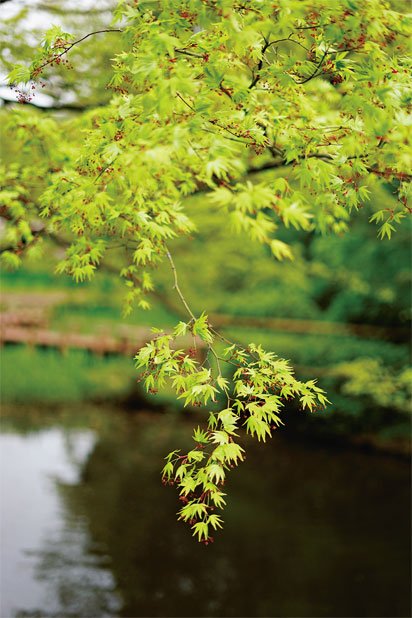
column 235, row 137
column 289, row 40
column 265, row 48
column 69, row 47
column 176, row 285
column 188, row 53
column 315, row 72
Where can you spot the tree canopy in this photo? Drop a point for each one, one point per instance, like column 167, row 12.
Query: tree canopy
column 278, row 114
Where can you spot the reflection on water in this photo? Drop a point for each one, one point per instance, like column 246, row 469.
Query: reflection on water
column 89, row 530
column 46, row 564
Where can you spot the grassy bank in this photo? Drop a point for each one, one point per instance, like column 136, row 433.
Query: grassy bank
column 31, row 375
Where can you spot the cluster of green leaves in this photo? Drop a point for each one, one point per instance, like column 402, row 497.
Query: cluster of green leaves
column 72, row 211
column 262, row 383
column 23, row 179
column 17, row 203
column 209, row 92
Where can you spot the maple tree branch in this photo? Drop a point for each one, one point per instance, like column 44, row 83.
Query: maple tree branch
column 69, row 46
column 269, row 44
column 265, row 48
column 315, row 72
column 259, row 66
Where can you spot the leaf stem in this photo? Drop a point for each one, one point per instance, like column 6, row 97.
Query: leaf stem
column 176, row 285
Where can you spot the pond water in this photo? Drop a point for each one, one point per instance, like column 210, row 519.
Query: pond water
column 88, row 530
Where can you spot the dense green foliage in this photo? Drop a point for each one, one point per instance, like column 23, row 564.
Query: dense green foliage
column 278, row 115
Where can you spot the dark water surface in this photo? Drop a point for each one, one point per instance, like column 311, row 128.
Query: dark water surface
column 88, row 530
